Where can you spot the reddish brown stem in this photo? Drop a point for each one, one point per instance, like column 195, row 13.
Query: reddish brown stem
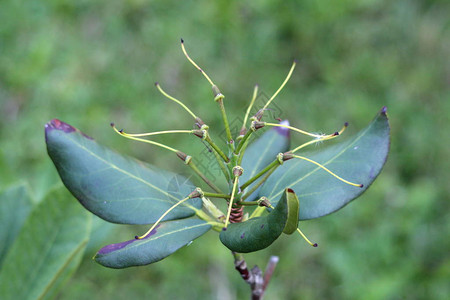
column 254, row 277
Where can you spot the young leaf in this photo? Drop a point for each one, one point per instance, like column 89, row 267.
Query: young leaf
column 116, row 188
column 15, row 205
column 257, row 233
column 262, row 152
column 293, row 208
column 164, row 240
column 47, row 250
column 359, row 159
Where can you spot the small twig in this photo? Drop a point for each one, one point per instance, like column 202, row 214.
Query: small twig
column 258, row 283
column 271, row 265
column 241, row 266
column 257, row 286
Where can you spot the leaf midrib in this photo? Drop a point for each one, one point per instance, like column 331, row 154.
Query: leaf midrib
column 327, row 162
column 113, row 166
column 152, row 239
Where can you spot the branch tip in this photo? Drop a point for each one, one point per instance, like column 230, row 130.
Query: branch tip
column 237, row 171
column 287, row 156
column 181, row 155
column 199, row 133
column 197, row 193
column 199, row 122
column 257, row 125
column 263, row 201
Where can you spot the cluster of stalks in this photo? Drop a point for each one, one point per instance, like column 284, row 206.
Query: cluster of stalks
column 230, row 166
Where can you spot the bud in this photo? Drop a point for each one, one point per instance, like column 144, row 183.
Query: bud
column 199, row 133
column 217, row 94
column 257, row 125
column 263, row 201
column 197, row 193
column 258, row 115
column 287, row 156
column 182, row 155
column 199, row 122
column 237, row 171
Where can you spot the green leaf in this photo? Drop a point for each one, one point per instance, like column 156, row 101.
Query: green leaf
column 256, row 233
column 47, row 250
column 359, row 160
column 15, row 205
column 57, row 286
column 293, row 206
column 164, row 240
column 262, row 152
column 116, row 188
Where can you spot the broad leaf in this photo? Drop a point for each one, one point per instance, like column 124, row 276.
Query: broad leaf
column 262, row 152
column 15, row 205
column 116, row 188
column 256, row 233
column 47, row 250
column 164, row 240
column 359, row 159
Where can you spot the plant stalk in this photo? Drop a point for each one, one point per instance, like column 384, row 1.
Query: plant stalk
column 262, row 172
column 254, row 277
column 242, row 142
column 217, row 149
column 214, row 195
column 225, row 120
column 192, row 165
column 253, row 189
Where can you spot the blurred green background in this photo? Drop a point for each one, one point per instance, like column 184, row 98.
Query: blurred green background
column 92, row 62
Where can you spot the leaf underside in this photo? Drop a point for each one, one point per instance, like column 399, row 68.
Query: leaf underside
column 116, row 188
column 359, row 160
column 164, row 240
column 256, row 233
